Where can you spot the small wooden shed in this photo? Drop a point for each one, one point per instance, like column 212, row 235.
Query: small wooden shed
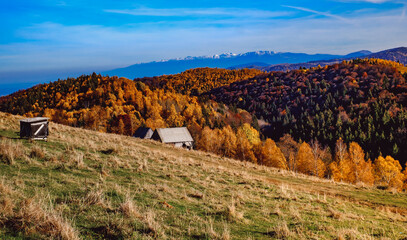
column 143, row 133
column 34, row 128
column 179, row 137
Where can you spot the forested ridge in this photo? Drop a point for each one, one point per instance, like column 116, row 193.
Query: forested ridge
column 361, row 100
column 319, row 118
column 199, row 80
column 120, row 105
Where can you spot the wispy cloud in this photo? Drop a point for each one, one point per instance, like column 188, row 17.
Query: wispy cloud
column 373, row 1
column 61, row 3
column 193, row 12
column 403, row 13
column 326, row 14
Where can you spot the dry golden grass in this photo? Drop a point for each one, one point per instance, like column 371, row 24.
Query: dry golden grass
column 4, row 188
column 294, row 213
column 76, row 159
column 281, row 231
column 277, row 211
column 95, row 196
column 37, row 152
column 10, row 151
column 211, row 233
column 226, row 233
column 352, row 234
column 152, row 226
column 232, row 213
column 6, row 206
column 129, row 208
column 334, row 214
column 32, row 215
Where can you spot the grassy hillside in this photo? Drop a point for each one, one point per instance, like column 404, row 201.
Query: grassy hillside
column 89, row 185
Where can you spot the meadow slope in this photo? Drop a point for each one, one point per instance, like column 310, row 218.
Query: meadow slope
column 83, row 184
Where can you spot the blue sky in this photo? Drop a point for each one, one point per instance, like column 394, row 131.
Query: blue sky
column 93, row 35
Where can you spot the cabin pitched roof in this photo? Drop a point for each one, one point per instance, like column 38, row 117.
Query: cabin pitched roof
column 174, row 135
column 34, row 120
column 144, row 133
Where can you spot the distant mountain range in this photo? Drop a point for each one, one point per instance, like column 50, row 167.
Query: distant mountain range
column 395, row 54
column 263, row 60
column 250, row 59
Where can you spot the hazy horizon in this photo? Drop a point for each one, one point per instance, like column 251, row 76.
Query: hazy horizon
column 18, row 80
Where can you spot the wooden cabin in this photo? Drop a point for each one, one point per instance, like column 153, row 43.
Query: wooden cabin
column 143, row 133
column 179, row 137
column 34, row 128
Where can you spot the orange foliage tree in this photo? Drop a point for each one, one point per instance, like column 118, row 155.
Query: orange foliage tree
column 269, row 154
column 289, row 148
column 305, row 161
column 405, row 178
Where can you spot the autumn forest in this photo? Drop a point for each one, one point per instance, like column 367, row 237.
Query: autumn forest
column 346, row 122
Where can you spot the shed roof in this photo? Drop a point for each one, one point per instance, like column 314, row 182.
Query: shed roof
column 143, row 132
column 33, row 120
column 174, row 135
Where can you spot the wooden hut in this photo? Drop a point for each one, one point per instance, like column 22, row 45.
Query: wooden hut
column 143, row 133
column 179, row 137
column 34, row 128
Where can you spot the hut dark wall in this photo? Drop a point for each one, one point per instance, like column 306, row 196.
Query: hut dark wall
column 34, row 128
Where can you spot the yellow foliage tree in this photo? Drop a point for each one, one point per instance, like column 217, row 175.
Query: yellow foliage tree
column 356, row 156
column 244, row 150
column 209, row 140
column 361, row 170
column 121, row 127
column 49, row 113
column 341, row 168
column 388, row 172
column 175, row 119
column 304, row 158
column 229, row 140
column 367, row 172
column 155, row 123
column 251, row 133
column 94, row 118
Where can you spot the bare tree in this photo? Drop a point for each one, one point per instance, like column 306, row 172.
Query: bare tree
column 289, row 148
column 318, row 152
